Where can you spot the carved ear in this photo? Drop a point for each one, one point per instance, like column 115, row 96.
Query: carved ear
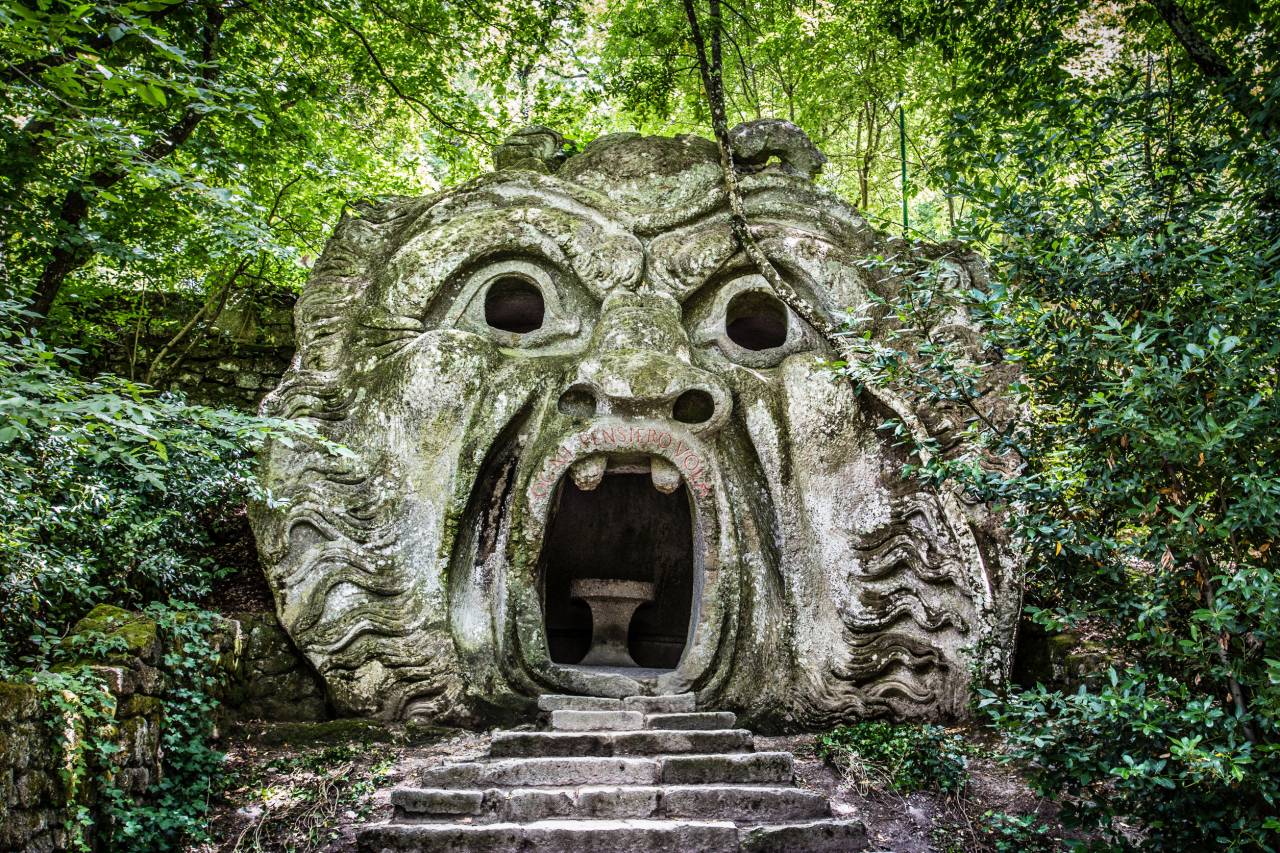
column 533, row 149
column 754, row 142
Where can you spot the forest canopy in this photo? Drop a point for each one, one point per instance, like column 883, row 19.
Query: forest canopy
column 1118, row 163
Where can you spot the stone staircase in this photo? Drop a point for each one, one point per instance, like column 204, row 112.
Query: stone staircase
column 647, row 773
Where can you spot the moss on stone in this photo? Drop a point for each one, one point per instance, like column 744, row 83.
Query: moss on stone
column 138, row 706
column 18, row 701
column 330, row 731
column 140, row 635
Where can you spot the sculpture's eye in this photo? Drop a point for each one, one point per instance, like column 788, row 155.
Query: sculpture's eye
column 514, row 304
column 523, row 302
column 743, row 319
column 756, row 320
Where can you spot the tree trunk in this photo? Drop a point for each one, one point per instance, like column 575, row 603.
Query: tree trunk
column 1234, row 87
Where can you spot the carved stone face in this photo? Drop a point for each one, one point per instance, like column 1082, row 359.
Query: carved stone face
column 593, row 452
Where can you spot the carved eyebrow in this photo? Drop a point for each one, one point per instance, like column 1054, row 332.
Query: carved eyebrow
column 435, row 261
column 687, row 265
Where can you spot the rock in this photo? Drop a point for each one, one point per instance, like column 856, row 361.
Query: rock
column 550, row 702
column 329, row 731
column 139, row 634
column 672, row 704
column 755, row 142
column 689, row 722
column 596, row 721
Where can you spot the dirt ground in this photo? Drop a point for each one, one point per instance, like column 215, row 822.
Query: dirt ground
column 310, row 787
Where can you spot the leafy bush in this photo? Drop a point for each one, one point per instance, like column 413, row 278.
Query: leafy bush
column 1008, row 833
column 108, row 491
column 1136, row 287
column 905, row 756
column 1148, row 745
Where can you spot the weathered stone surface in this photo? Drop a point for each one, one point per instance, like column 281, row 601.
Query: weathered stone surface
column 690, row 722
column 596, row 721
column 509, row 744
column 269, row 678
column 556, row 702
column 556, row 836
column 820, row 836
column 678, row 703
column 509, row 361
column 569, row 771
column 610, row 804
column 743, row 803
column 137, row 634
column 437, row 801
column 758, row 767
column 525, row 805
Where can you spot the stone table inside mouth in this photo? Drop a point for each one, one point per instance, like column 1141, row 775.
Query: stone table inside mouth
column 613, row 603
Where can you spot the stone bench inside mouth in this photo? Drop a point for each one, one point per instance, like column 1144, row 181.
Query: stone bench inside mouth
column 613, row 603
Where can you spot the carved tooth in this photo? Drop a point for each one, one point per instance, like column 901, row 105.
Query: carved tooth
column 666, row 478
column 588, row 473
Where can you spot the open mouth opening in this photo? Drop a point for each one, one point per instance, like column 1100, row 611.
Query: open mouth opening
column 617, row 566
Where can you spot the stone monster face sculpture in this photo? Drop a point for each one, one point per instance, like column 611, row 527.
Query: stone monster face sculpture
column 592, row 452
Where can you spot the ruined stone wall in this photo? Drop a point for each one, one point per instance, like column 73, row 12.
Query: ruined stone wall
column 266, row 679
column 234, row 364
column 32, row 803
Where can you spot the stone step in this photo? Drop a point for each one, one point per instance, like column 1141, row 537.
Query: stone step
column 603, row 744
column 554, row 836
column 751, row 804
column 744, row 768
column 552, row 772
column 693, row 721
column 674, row 703
column 596, row 721
column 818, row 836
column 615, row 836
column 569, row 720
column 559, row 702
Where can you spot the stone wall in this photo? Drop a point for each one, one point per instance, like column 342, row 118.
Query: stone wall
column 31, row 795
column 233, row 364
column 266, row 679
column 269, row 679
column 32, row 788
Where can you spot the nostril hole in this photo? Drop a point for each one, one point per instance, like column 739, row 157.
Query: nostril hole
column 694, row 407
column 577, row 403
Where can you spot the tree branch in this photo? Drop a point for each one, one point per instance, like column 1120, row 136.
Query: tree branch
column 713, row 83
column 400, row 93
column 1235, row 88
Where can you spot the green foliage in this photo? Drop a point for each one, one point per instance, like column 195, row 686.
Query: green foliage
column 109, row 493
column 174, row 812
column 84, row 724
column 907, row 757
column 1007, row 833
column 1127, row 203
column 835, row 69
column 1145, row 744
column 80, row 711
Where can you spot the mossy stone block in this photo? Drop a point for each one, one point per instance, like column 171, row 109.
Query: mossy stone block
column 18, row 701
column 141, row 635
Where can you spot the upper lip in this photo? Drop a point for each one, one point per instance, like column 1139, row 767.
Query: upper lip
column 672, row 454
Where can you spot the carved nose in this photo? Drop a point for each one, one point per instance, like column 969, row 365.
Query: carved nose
column 642, row 386
column 639, row 367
